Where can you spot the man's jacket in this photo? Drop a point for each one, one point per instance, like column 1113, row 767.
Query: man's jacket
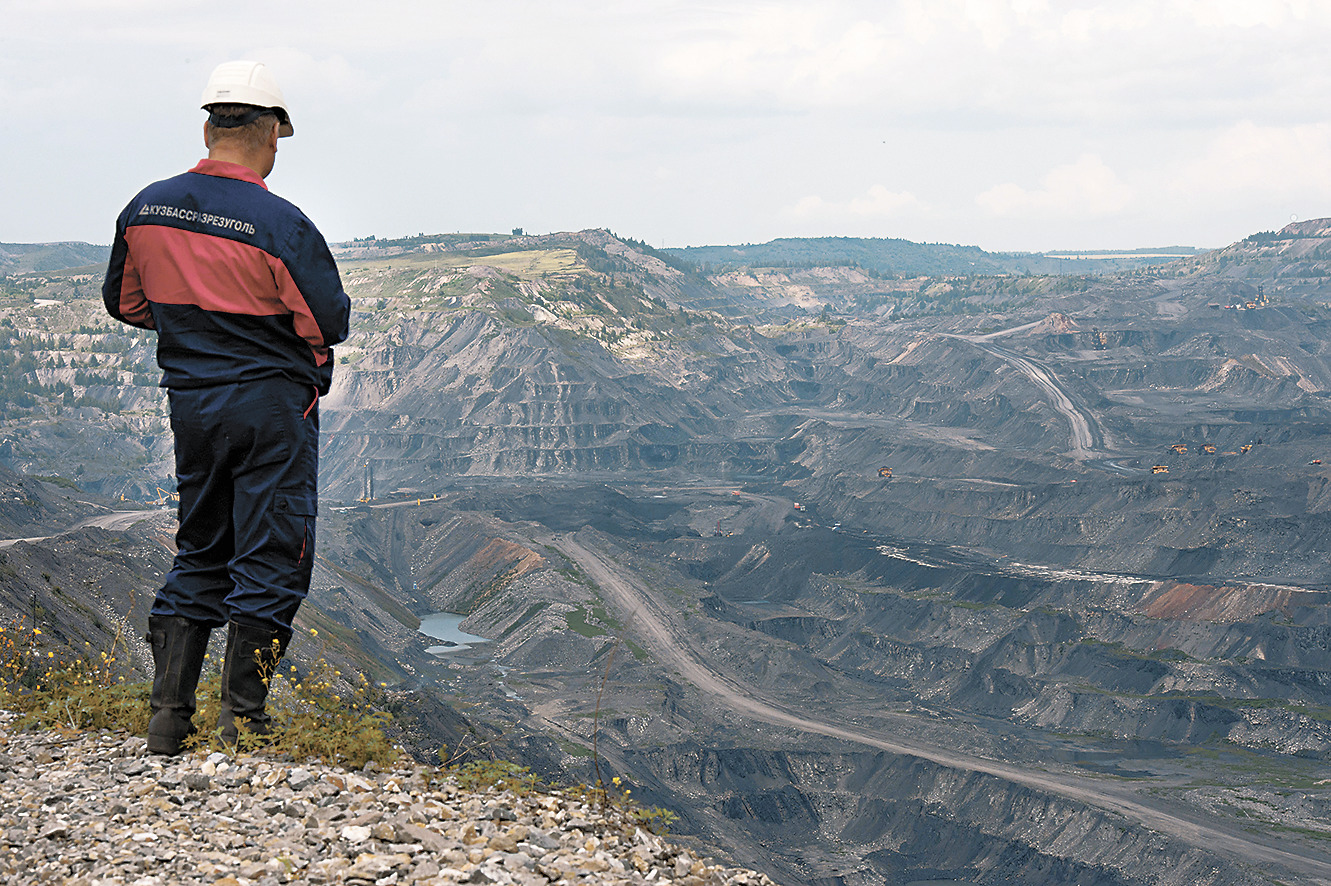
column 238, row 283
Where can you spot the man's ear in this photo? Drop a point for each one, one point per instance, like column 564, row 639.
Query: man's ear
column 205, row 135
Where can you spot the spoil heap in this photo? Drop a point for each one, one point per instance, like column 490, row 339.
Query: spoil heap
column 93, row 809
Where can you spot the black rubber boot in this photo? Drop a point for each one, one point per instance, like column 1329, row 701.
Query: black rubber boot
column 178, row 646
column 252, row 654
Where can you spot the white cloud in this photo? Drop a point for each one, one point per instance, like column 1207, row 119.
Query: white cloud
column 421, row 115
column 1249, row 13
column 1248, row 160
column 876, row 203
column 1087, row 187
column 783, row 57
column 331, row 80
column 879, row 202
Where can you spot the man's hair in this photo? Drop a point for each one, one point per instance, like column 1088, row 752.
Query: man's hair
column 252, row 135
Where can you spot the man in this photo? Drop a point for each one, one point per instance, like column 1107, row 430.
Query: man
column 247, row 303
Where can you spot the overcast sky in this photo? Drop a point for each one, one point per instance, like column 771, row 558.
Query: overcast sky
column 1005, row 124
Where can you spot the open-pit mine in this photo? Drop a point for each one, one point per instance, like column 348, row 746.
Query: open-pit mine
column 869, row 577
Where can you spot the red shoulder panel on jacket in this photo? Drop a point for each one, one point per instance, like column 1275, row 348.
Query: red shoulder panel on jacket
column 185, row 268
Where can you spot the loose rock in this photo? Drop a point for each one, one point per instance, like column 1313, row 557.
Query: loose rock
column 97, row 811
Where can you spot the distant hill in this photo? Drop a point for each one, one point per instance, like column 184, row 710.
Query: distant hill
column 38, row 258
column 879, row 256
column 908, row 259
column 1299, row 251
column 985, row 570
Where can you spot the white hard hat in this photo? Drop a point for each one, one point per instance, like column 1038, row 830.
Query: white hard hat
column 247, row 83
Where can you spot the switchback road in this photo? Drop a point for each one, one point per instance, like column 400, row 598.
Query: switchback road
column 1086, row 435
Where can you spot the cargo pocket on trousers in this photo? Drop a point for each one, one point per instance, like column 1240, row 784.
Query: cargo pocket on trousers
column 294, row 514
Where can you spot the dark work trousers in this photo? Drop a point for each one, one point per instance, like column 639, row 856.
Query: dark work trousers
column 247, row 461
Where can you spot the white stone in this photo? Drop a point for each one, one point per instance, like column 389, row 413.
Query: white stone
column 355, row 833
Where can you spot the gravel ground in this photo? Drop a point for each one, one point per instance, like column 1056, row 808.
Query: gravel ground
column 94, row 809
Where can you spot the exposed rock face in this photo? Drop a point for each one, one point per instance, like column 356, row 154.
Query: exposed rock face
column 1179, row 600
column 909, row 821
column 1007, row 662
column 583, row 355
column 985, row 566
column 34, row 508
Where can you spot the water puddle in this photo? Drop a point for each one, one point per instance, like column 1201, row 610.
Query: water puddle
column 443, row 626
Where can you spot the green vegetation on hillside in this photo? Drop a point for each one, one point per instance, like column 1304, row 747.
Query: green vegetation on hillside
column 30, row 258
column 904, row 258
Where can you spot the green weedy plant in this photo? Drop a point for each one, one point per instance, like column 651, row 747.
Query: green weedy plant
column 618, row 796
column 615, row 798
column 498, row 774
column 501, row 775
column 315, row 716
column 69, row 689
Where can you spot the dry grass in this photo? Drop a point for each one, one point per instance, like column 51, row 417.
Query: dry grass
column 317, row 714
column 529, row 264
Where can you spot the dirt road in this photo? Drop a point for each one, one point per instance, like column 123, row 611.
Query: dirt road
column 1087, row 439
column 1167, row 302
column 115, row 521
column 674, row 647
column 1081, row 422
